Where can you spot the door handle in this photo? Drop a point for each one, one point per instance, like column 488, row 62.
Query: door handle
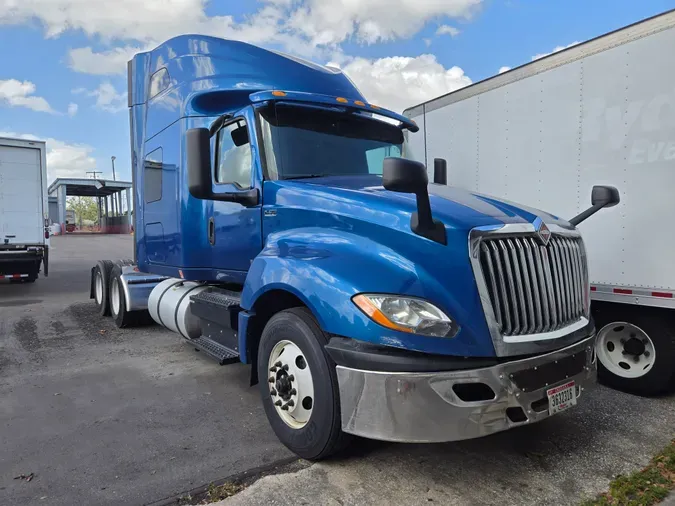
column 212, row 231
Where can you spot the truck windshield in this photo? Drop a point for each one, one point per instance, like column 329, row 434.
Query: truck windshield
column 304, row 142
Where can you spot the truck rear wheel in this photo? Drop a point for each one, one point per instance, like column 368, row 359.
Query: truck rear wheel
column 101, row 280
column 298, row 385
column 118, row 303
column 635, row 348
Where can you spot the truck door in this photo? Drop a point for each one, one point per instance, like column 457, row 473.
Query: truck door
column 234, row 230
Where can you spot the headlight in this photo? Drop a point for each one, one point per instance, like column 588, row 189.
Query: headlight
column 406, row 314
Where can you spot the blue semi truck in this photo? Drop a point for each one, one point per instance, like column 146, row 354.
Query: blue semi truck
column 278, row 223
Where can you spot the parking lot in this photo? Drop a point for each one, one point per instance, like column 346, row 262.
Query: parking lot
column 108, row 416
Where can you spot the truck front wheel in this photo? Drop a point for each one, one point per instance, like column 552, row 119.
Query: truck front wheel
column 298, row 385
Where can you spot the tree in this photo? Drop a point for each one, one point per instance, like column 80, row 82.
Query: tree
column 85, row 208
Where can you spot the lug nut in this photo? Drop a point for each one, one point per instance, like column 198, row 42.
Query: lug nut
column 293, row 391
column 278, row 403
column 273, row 392
column 290, row 403
column 271, row 380
column 277, row 364
column 291, row 378
column 645, row 341
column 646, row 353
column 285, row 407
column 273, row 369
column 284, row 367
column 622, row 341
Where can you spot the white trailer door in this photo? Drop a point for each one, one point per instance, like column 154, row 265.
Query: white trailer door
column 21, row 195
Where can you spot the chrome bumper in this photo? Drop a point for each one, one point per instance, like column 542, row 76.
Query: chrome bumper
column 423, row 407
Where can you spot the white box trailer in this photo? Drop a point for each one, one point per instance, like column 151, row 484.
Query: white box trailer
column 24, row 217
column 601, row 112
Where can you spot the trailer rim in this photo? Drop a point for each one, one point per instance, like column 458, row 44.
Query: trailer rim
column 115, row 297
column 98, row 287
column 625, row 350
column 290, row 383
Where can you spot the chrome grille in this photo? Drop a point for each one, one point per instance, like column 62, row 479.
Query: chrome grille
column 535, row 288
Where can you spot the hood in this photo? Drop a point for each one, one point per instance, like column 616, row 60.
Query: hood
column 456, row 208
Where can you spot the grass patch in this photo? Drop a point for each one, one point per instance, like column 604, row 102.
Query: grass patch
column 642, row 488
column 219, row 492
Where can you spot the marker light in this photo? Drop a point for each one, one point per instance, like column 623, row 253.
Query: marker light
column 342, row 100
column 358, row 102
column 406, row 314
column 279, row 93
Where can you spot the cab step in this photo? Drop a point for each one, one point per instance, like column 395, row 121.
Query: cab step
column 218, row 312
column 222, row 354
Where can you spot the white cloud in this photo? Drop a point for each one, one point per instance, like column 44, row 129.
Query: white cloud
column 16, row 93
column 504, row 69
column 112, row 61
column 333, row 21
column 63, row 159
column 555, row 50
column 305, row 27
column 72, row 109
column 447, row 30
column 399, row 82
column 107, row 97
column 427, row 42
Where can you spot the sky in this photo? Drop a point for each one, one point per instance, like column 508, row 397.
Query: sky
column 63, row 62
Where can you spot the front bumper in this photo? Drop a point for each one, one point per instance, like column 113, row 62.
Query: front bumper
column 424, row 407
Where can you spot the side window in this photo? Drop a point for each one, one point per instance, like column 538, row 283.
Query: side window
column 159, row 82
column 234, row 155
column 375, row 157
column 152, row 176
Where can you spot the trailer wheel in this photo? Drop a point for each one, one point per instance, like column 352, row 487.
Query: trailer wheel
column 636, row 349
column 300, row 396
column 118, row 303
column 100, row 282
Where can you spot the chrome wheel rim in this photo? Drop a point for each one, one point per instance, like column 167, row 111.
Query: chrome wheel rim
column 115, row 297
column 290, row 384
column 98, row 287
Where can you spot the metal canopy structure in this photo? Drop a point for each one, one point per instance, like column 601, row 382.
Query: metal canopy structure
column 88, row 187
column 108, row 193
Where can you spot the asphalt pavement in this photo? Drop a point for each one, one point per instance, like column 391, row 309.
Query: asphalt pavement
column 559, row 461
column 100, row 415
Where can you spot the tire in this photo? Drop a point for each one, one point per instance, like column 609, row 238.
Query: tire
column 100, row 286
column 653, row 371
column 118, row 303
column 320, row 435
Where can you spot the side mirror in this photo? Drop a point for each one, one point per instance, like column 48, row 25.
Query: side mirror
column 601, row 196
column 404, row 176
column 407, row 176
column 605, row 196
column 198, row 146
column 440, row 171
